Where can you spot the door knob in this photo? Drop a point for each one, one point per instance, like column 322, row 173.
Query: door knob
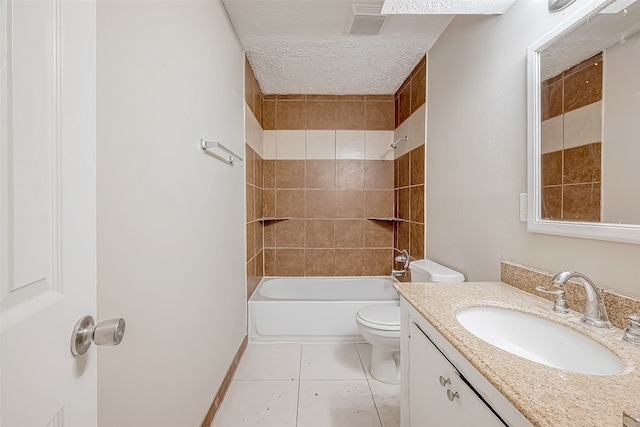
column 109, row 332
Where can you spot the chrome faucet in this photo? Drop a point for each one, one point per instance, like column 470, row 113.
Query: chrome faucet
column 404, row 259
column 595, row 313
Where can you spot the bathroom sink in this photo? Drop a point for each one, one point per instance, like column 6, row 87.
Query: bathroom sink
column 539, row 340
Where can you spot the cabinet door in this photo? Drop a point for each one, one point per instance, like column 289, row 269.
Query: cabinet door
column 430, row 405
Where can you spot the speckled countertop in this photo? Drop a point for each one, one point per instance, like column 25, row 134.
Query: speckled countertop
column 545, row 396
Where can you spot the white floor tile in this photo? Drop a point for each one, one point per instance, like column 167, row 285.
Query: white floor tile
column 387, row 398
column 269, row 362
column 364, row 350
column 331, row 362
column 336, row 404
column 259, row 403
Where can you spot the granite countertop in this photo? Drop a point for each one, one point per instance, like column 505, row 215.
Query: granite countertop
column 545, row 396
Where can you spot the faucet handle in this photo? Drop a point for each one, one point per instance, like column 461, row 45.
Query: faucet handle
column 632, row 331
column 560, row 304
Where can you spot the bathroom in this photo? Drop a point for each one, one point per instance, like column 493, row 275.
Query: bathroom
column 171, row 252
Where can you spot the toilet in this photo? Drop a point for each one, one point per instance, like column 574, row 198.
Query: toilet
column 379, row 324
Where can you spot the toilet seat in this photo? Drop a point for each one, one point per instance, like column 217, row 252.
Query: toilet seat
column 384, row 317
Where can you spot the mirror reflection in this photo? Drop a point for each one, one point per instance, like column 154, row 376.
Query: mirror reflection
column 590, row 113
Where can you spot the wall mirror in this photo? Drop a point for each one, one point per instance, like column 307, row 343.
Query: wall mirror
column 584, row 125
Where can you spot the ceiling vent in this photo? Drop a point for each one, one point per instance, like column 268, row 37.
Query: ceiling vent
column 366, row 19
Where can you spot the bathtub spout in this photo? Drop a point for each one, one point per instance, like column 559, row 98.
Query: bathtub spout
column 397, row 273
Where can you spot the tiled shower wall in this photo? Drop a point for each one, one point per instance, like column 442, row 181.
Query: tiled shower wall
column 571, row 142
column 409, row 164
column 254, row 179
column 328, row 166
column 321, row 167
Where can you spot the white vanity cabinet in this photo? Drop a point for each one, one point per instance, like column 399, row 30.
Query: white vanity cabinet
column 439, row 396
column 440, row 388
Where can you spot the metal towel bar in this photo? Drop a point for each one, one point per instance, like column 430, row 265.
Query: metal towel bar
column 230, row 156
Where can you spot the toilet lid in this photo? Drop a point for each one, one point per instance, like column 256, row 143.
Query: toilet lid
column 383, row 316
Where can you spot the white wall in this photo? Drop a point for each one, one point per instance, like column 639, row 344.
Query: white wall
column 171, row 221
column 621, row 127
column 477, row 156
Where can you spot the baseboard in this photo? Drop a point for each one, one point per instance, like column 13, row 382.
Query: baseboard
column 208, row 419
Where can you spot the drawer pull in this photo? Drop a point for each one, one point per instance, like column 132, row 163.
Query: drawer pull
column 452, row 396
column 444, row 381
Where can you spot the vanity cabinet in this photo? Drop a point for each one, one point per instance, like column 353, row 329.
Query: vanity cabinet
column 439, row 387
column 439, row 394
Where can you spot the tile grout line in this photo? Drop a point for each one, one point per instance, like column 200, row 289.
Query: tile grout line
column 375, row 405
column 299, row 378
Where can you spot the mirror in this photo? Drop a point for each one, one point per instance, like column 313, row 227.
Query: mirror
column 584, row 125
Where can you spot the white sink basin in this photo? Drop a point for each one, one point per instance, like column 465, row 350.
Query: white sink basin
column 539, row 340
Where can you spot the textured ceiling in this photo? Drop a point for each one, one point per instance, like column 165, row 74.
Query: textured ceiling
column 303, row 46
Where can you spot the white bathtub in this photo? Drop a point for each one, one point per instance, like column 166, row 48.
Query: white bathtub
column 314, row 309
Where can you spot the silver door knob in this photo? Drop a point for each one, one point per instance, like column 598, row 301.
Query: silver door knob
column 109, row 332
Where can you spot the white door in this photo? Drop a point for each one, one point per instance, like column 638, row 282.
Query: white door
column 47, row 188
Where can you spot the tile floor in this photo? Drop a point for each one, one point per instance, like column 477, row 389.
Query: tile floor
column 308, row 385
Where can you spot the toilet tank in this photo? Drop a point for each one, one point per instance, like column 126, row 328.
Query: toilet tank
column 425, row 270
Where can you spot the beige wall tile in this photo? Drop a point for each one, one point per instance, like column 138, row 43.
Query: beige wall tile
column 418, row 87
column 321, row 203
column 320, row 233
column 403, row 207
column 270, row 262
column 269, row 233
column 417, row 127
column 270, row 141
column 581, row 202
column 349, row 174
column 582, row 164
column 551, row 202
column 552, row 134
column 319, row 262
column 269, row 173
column 320, row 144
column 349, row 262
column 321, row 115
column 416, row 197
column 380, row 115
column 378, row 262
column 290, row 203
column 378, row 174
column 349, row 203
column 290, row 114
column 378, row 203
column 416, row 158
column 551, row 168
column 290, row 262
column 349, row 233
column 268, row 115
column 350, row 115
column 269, row 203
column 320, row 174
column 377, row 145
column 378, row 234
column 290, row 233
column 583, row 125
column 290, row 173
column 583, row 87
column 291, row 144
column 416, row 240
column 349, row 144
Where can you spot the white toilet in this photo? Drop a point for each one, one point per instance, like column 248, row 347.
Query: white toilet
column 379, row 324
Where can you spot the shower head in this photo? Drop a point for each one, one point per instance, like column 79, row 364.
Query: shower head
column 395, row 144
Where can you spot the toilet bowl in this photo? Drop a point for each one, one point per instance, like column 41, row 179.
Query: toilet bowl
column 379, row 324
